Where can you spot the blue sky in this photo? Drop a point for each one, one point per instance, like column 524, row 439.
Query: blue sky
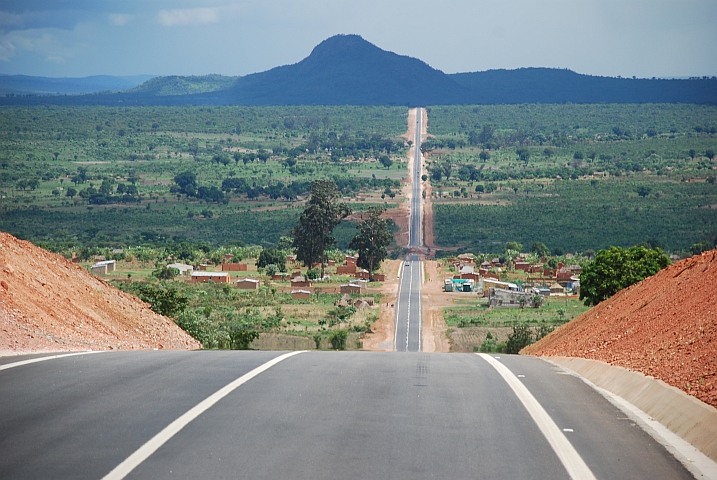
column 73, row 38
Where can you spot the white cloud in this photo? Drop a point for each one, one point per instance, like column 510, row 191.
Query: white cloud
column 188, row 16
column 120, row 19
column 8, row 19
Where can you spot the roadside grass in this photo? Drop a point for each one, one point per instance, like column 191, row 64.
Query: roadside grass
column 555, row 311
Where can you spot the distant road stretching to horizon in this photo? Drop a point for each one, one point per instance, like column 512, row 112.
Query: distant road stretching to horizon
column 408, row 326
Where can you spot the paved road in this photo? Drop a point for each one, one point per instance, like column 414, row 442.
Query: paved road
column 314, row 415
column 407, row 331
column 416, row 235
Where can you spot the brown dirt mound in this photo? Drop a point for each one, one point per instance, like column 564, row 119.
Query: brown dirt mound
column 48, row 304
column 664, row 326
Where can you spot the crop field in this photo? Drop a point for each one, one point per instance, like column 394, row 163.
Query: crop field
column 575, row 177
column 89, row 175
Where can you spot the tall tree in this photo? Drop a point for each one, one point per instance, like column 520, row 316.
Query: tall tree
column 372, row 240
column 618, row 268
column 323, row 212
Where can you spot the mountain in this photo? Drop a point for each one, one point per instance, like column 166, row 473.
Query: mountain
column 26, row 84
column 348, row 70
column 175, row 85
column 552, row 85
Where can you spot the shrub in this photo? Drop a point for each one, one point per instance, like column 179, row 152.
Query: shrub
column 201, row 329
column 338, row 339
column 521, row 337
column 313, row 274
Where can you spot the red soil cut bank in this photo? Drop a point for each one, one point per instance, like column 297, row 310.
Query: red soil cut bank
column 664, row 326
column 47, row 303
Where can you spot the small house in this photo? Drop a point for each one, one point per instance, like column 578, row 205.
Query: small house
column 206, row 277
column 183, row 268
column 557, row 289
column 301, row 295
column 346, row 269
column 379, row 277
column 351, row 288
column 362, row 274
column 234, row 267
column 248, row 284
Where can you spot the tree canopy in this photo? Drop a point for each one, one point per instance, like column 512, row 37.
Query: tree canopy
column 618, row 268
column 323, row 212
column 372, row 240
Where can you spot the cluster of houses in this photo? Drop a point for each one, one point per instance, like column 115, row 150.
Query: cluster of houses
column 300, row 284
column 541, row 281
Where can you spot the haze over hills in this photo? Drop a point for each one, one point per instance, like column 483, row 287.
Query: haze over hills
column 26, row 84
column 348, row 70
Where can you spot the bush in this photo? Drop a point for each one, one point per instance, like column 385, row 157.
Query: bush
column 338, row 339
column 313, row 274
column 201, row 329
column 163, row 299
column 520, row 338
column 165, row 273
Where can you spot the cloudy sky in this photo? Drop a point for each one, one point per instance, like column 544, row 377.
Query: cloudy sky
column 73, row 38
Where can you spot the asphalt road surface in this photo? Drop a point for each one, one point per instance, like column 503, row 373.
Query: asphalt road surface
column 314, row 415
column 415, row 234
column 407, row 331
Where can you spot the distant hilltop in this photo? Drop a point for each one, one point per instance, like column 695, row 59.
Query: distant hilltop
column 348, row 70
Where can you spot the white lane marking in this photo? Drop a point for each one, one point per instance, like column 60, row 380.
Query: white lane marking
column 124, row 468
column 408, row 306
column 567, row 429
column 570, row 458
column 420, row 313
column 398, row 307
column 42, row 359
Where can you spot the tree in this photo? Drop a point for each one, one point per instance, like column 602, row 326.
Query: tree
column 323, row 212
column 524, row 155
column 272, row 256
column 484, row 156
column 372, row 240
column 385, row 161
column 710, row 154
column 165, row 273
column 618, row 268
column 71, row 192
column 187, row 183
column 540, row 249
column 513, row 246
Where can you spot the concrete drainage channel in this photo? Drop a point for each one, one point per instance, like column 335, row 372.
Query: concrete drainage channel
column 686, row 426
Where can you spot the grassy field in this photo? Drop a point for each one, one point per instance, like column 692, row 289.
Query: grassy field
column 472, row 326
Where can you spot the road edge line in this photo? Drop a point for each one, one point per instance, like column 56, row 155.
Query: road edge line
column 42, row 359
column 696, row 462
column 570, row 458
column 154, row 443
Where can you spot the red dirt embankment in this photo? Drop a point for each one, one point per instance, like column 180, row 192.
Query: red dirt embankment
column 48, row 303
column 664, row 326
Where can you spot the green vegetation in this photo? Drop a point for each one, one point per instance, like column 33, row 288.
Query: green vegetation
column 574, row 177
column 322, row 214
column 371, row 240
column 618, row 268
column 157, row 175
column 555, row 311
